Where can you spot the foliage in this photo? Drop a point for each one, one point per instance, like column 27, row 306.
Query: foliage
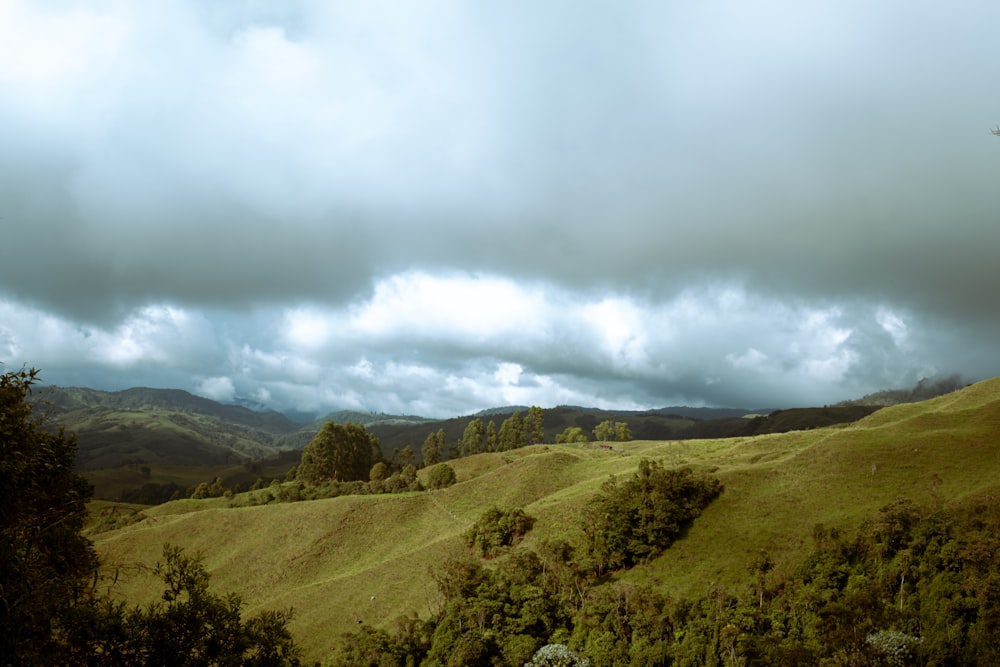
column 612, row 431
column 433, row 448
column 491, row 436
column 472, row 438
column 512, row 434
column 572, row 434
column 633, row 521
column 534, row 425
column 46, row 563
column 152, row 493
column 339, row 452
column 556, row 655
column 189, row 626
column 50, row 610
column 497, row 528
column 441, row 476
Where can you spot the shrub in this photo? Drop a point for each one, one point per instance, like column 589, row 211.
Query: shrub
column 441, row 476
column 496, row 529
column 633, row 521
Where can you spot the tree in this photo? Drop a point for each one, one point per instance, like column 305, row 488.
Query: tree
column 571, row 434
column 604, row 431
column 511, row 435
column 472, row 438
column 630, row 522
column 440, row 476
column 556, row 655
column 45, row 564
column 339, row 452
column 431, row 450
column 189, row 626
column 496, row 528
column 534, row 425
column 622, row 432
column 491, row 436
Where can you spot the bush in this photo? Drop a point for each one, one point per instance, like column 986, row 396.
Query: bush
column 556, row 655
column 441, row 476
column 496, row 529
column 633, row 521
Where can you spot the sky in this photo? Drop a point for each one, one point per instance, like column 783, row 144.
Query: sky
column 435, row 208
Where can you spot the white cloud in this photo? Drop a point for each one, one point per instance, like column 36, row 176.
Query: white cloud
column 220, row 389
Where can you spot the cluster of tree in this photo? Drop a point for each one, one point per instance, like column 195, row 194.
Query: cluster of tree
column 547, row 597
column 51, row 610
column 606, row 431
column 496, row 529
column 514, row 432
column 635, row 520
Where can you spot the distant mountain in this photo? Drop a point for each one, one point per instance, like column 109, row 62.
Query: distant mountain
column 173, row 427
column 675, row 423
column 162, row 426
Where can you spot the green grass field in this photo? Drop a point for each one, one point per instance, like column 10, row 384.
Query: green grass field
column 369, row 558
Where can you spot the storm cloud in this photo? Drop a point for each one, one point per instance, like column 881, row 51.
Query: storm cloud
column 440, row 208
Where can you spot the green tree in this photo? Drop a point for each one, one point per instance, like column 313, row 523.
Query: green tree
column 491, row 436
column 45, row 564
column 432, row 450
column 622, row 432
column 190, row 626
column 472, row 438
column 339, row 452
column 534, row 425
column 496, row 528
column 604, row 431
column 571, row 434
column 440, row 476
column 511, row 435
column 632, row 521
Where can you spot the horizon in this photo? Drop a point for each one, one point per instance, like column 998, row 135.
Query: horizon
column 328, row 205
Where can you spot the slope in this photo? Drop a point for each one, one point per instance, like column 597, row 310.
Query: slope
column 368, row 558
column 161, row 426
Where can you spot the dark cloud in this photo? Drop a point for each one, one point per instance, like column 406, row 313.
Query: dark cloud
column 242, row 163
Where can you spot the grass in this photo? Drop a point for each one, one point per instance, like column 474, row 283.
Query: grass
column 368, row 558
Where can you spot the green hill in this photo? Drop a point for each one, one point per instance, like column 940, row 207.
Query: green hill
column 367, row 559
column 162, row 427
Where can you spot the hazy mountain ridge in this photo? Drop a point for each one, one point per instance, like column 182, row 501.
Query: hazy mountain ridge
column 174, row 427
column 161, row 426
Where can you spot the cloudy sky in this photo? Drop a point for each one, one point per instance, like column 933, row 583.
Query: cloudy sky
column 441, row 206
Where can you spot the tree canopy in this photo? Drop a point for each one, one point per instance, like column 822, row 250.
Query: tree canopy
column 340, row 453
column 631, row 521
column 46, row 563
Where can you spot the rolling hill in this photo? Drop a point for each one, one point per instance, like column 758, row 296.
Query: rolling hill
column 162, row 427
column 354, row 559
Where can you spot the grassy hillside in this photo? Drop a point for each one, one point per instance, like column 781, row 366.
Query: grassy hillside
column 367, row 558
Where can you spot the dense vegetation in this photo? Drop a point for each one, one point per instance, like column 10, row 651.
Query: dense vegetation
column 633, row 521
column 912, row 586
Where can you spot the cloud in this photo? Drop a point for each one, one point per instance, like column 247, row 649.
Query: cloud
column 634, row 204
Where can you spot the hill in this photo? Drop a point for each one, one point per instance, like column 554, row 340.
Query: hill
column 350, row 559
column 162, row 426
